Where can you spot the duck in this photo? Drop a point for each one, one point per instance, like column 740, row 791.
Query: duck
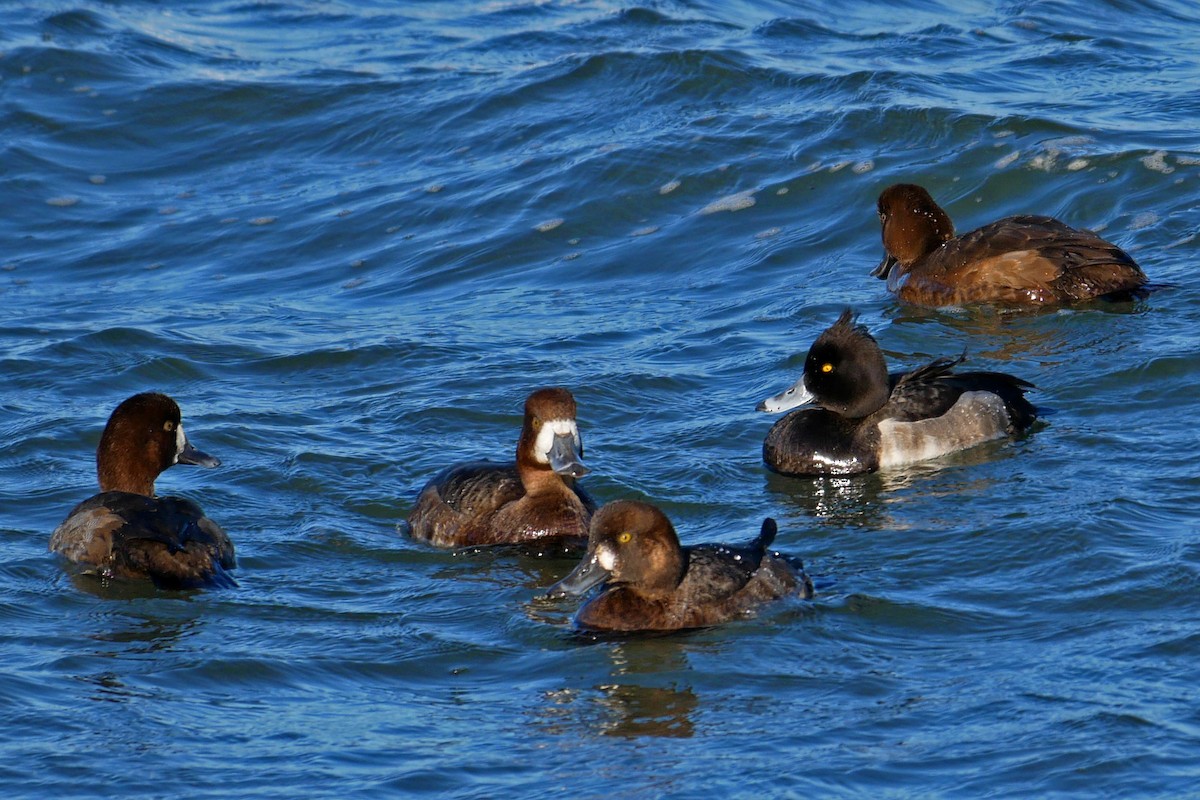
column 1019, row 261
column 535, row 501
column 653, row 584
column 127, row 532
column 864, row 419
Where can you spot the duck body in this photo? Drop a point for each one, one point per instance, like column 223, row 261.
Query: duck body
column 535, row 500
column 652, row 583
column 485, row 503
column 1024, row 260
column 127, row 532
column 123, row 536
column 865, row 419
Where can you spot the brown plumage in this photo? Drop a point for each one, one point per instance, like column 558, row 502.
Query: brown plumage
column 654, row 584
column 533, row 501
column 1019, row 261
column 126, row 532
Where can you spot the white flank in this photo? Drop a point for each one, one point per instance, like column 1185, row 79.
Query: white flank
column 977, row 417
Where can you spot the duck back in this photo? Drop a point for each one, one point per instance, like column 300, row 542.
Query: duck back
column 484, row 503
column 167, row 539
column 1021, row 260
column 714, row 590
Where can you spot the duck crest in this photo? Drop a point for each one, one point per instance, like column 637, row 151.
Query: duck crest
column 845, row 370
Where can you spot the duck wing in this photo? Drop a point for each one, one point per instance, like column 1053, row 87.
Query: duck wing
column 1040, row 258
column 933, row 389
column 927, row 391
column 717, row 571
column 478, row 487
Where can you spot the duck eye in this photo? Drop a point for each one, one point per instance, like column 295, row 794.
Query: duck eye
column 624, row 537
column 827, row 367
column 168, row 426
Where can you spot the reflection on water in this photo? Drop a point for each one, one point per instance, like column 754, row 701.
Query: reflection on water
column 634, row 710
column 109, row 688
column 125, row 638
column 1003, row 335
column 108, row 589
column 867, row 500
column 648, row 695
column 146, row 636
column 534, row 569
column 844, row 499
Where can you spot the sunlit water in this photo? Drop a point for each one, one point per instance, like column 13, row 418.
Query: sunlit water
column 349, row 238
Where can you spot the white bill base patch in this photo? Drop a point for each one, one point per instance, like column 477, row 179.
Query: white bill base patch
column 977, row 417
column 550, row 429
column 606, row 558
column 180, row 442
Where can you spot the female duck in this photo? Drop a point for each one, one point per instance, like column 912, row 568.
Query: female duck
column 653, row 584
column 867, row 420
column 1018, row 261
column 533, row 501
column 127, row 531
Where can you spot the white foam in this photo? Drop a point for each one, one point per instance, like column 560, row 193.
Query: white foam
column 733, row 202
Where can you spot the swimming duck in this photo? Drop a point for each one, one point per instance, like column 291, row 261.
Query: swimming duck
column 536, row 500
column 651, row 583
column 128, row 532
column 1018, row 261
column 867, row 420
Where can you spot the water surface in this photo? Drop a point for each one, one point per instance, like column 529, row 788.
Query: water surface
column 350, row 238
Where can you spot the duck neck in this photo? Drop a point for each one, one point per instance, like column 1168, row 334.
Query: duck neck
column 670, row 567
column 118, row 472
column 538, row 478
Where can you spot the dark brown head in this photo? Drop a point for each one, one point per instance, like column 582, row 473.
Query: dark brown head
column 550, row 440
column 844, row 372
column 913, row 226
column 143, row 437
column 632, row 544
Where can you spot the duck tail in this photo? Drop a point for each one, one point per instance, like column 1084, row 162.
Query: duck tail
column 767, row 534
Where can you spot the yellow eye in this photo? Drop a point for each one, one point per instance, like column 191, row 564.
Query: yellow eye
column 827, row 367
column 624, row 537
column 168, row 426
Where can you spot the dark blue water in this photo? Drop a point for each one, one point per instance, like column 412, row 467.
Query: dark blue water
column 350, row 237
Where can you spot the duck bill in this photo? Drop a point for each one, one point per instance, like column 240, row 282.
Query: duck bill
column 885, row 267
column 565, row 458
column 588, row 574
column 190, row 455
column 797, row 395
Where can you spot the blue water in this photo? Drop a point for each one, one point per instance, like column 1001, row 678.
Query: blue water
column 350, row 237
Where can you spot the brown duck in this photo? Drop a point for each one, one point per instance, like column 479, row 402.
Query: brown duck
column 534, row 501
column 127, row 531
column 1016, row 261
column 651, row 583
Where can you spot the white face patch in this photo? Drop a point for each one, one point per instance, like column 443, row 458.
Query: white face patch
column 550, row 429
column 180, row 442
column 606, row 557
